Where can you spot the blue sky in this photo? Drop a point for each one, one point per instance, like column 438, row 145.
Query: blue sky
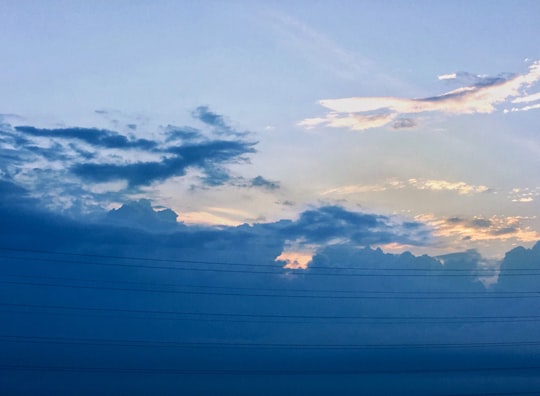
column 176, row 167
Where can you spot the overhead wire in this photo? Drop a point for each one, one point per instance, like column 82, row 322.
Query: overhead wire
column 255, row 345
column 227, row 315
column 261, row 372
column 276, row 271
column 359, row 296
column 258, row 265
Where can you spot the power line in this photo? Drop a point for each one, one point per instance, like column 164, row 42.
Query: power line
column 268, row 295
column 278, row 270
column 261, row 372
column 363, row 292
column 190, row 314
column 491, row 393
column 256, row 345
column 211, row 262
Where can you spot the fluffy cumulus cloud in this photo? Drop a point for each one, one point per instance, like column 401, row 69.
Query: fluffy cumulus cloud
column 329, row 224
column 477, row 94
column 325, row 226
column 86, row 165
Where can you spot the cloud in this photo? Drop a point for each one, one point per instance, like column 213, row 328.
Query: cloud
column 483, row 94
column 141, row 214
column 519, row 258
column 317, row 48
column 260, row 181
column 476, row 80
column 404, row 123
column 89, row 166
column 528, row 98
column 460, row 187
column 295, row 260
column 329, row 224
column 524, row 195
column 169, row 290
column 481, row 228
column 95, row 137
column 182, row 133
column 208, row 156
column 216, row 121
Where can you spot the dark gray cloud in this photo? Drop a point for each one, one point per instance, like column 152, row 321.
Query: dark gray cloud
column 207, row 156
column 182, row 133
column 260, row 181
column 504, row 231
column 481, row 223
column 141, row 214
column 404, row 123
column 329, row 223
column 216, row 121
column 476, row 80
column 478, row 223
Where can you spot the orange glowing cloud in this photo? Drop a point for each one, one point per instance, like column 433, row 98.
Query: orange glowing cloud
column 295, row 260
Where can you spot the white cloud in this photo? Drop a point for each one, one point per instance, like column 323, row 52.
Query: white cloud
column 460, row 187
column 483, row 96
column 528, row 98
column 524, row 195
column 355, row 122
column 524, row 108
column 449, row 76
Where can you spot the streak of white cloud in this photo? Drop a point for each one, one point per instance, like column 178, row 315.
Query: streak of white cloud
column 528, row 98
column 460, row 187
column 524, row 108
column 207, row 218
column 355, row 122
column 360, row 113
column 316, row 47
column 449, row 76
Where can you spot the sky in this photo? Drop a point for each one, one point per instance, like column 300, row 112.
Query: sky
column 296, row 135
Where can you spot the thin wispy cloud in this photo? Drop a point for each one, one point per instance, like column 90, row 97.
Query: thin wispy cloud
column 316, row 47
column 460, row 187
column 480, row 95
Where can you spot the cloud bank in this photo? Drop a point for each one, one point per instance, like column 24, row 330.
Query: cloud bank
column 135, row 291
